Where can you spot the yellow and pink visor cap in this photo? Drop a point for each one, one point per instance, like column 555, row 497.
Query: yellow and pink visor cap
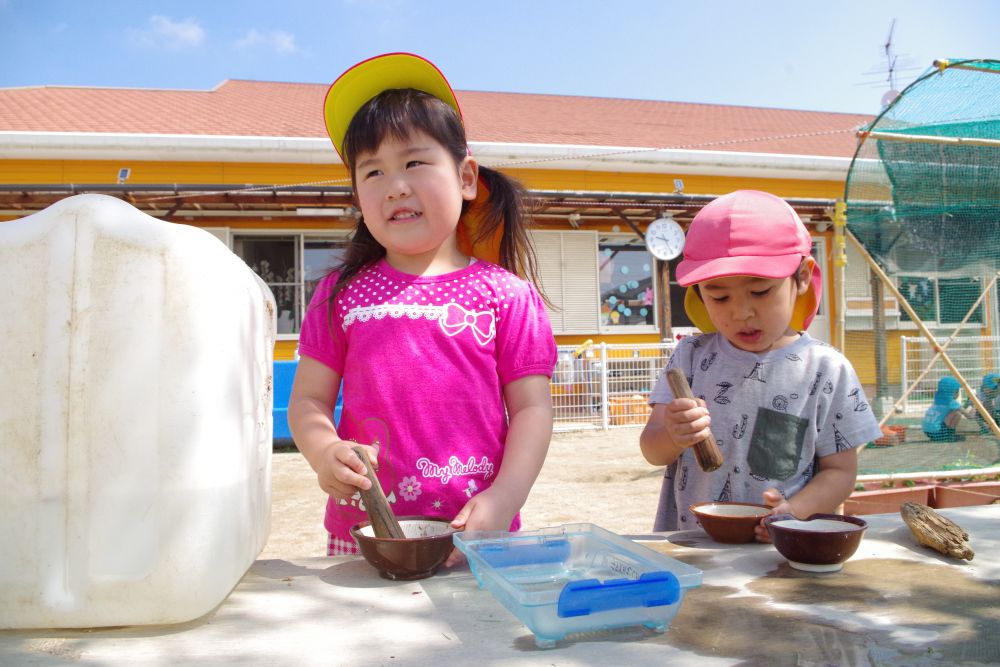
column 747, row 233
column 368, row 78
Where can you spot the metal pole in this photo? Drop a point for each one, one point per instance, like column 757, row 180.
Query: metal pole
column 605, row 398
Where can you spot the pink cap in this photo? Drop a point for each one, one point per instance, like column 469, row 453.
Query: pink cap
column 744, row 233
column 747, row 233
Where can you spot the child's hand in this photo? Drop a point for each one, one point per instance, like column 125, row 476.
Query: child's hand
column 779, row 505
column 340, row 472
column 485, row 511
column 687, row 421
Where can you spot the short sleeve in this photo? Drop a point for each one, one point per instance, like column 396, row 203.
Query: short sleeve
column 322, row 336
column 525, row 344
column 849, row 421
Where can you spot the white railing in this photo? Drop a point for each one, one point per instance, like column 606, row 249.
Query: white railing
column 605, row 385
column 974, row 356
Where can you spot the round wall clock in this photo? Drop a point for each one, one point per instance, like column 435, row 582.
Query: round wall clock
column 664, row 238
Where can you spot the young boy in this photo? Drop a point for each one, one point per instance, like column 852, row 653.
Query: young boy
column 787, row 411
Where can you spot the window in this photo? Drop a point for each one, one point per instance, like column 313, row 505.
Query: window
column 678, row 316
column 273, row 259
column 943, row 300
column 596, row 283
column 921, row 294
column 319, row 257
column 625, row 272
column 567, row 270
column 291, row 265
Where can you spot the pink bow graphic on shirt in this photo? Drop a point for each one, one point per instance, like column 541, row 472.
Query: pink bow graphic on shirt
column 456, row 319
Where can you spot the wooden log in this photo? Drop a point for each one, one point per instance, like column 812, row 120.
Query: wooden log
column 935, row 531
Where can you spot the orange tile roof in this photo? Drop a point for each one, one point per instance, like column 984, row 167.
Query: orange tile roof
column 269, row 109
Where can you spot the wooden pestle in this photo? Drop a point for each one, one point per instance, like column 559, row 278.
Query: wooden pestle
column 707, row 452
column 383, row 521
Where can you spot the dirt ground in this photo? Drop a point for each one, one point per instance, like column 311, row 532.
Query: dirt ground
column 595, row 477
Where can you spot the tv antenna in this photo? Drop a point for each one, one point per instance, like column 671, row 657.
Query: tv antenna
column 890, row 57
column 890, row 60
column 893, row 68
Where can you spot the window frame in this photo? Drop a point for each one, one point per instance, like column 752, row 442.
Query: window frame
column 301, row 237
column 620, row 329
column 569, row 278
column 936, row 279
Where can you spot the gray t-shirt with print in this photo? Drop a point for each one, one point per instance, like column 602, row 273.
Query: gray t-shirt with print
column 773, row 415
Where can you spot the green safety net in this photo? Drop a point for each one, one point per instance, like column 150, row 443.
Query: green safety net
column 923, row 199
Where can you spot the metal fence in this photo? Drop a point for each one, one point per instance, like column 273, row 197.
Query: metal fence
column 605, row 385
column 974, row 356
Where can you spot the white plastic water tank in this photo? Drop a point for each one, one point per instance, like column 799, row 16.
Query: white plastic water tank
column 135, row 417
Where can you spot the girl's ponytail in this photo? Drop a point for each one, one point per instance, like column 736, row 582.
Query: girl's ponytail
column 505, row 209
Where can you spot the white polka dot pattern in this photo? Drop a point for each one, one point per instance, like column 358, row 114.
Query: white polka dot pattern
column 468, row 301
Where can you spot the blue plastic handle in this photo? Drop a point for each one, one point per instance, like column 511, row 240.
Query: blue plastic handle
column 505, row 554
column 652, row 589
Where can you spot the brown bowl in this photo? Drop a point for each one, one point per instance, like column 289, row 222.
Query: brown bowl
column 731, row 523
column 417, row 556
column 821, row 543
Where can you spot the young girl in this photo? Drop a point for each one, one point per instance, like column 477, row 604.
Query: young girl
column 787, row 411
column 443, row 358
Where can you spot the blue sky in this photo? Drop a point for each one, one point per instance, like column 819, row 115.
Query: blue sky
column 803, row 54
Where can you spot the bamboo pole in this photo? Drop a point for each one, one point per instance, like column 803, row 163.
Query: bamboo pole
column 839, row 264
column 874, row 266
column 973, row 66
column 928, row 139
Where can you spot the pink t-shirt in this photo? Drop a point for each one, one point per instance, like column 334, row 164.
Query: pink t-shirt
column 423, row 362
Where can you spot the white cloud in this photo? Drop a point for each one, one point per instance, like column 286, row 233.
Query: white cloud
column 162, row 31
column 277, row 40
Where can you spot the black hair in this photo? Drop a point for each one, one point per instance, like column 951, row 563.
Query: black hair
column 396, row 114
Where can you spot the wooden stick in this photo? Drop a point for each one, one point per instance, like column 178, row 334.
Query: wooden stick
column 707, row 452
column 383, row 521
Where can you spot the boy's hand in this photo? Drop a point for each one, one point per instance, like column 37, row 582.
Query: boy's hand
column 687, row 421
column 779, row 505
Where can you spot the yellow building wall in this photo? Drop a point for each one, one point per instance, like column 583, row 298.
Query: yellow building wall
column 859, row 347
column 50, row 172
column 284, row 350
column 53, row 172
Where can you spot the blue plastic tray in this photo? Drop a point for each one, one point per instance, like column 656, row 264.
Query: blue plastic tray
column 577, row 578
